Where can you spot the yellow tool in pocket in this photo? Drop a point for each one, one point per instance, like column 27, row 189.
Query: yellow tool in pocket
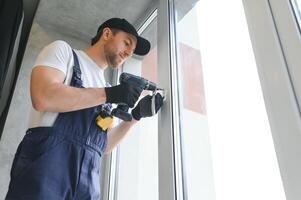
column 104, row 123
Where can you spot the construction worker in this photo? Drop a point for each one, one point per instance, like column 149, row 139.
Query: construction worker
column 59, row 156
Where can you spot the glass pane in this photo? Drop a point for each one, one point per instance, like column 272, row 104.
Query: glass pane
column 296, row 7
column 195, row 133
column 227, row 143
column 138, row 158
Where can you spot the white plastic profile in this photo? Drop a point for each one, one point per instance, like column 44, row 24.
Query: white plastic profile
column 272, row 55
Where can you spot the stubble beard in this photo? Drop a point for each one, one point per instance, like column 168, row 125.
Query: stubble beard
column 111, row 57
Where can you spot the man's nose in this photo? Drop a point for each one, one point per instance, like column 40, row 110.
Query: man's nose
column 128, row 53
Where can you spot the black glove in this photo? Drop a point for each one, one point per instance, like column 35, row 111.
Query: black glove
column 144, row 107
column 123, row 93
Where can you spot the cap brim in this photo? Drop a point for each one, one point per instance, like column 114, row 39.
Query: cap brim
column 142, row 47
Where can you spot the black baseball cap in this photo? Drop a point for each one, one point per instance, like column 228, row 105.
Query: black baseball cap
column 143, row 45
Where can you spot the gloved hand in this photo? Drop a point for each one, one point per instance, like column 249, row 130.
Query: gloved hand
column 123, row 93
column 144, row 107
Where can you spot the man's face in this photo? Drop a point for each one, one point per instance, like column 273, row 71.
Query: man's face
column 119, row 47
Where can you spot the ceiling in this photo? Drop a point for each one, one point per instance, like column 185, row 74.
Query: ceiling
column 81, row 18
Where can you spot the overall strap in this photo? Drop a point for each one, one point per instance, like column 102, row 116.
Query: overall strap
column 76, row 75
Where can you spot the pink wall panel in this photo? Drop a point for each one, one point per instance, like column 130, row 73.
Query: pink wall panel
column 192, row 74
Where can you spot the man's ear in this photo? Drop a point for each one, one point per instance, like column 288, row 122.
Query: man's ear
column 106, row 33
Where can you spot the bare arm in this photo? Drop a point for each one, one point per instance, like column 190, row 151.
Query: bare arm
column 116, row 134
column 48, row 93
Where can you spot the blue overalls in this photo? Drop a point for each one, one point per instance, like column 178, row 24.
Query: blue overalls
column 62, row 161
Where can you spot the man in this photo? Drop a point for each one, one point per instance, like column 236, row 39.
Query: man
column 59, row 156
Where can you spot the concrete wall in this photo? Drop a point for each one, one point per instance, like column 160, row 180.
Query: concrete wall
column 17, row 119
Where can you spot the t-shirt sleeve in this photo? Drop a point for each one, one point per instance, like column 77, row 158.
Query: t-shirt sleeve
column 57, row 55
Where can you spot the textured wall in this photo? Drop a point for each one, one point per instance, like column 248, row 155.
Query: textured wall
column 18, row 114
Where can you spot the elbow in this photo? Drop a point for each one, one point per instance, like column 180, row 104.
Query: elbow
column 39, row 104
column 40, row 100
column 107, row 151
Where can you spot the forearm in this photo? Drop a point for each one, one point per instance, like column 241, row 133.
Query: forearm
column 61, row 98
column 116, row 134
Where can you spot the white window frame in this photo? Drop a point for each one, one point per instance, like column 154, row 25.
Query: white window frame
column 276, row 44
column 289, row 38
column 171, row 169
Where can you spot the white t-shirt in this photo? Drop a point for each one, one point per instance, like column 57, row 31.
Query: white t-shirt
column 59, row 55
